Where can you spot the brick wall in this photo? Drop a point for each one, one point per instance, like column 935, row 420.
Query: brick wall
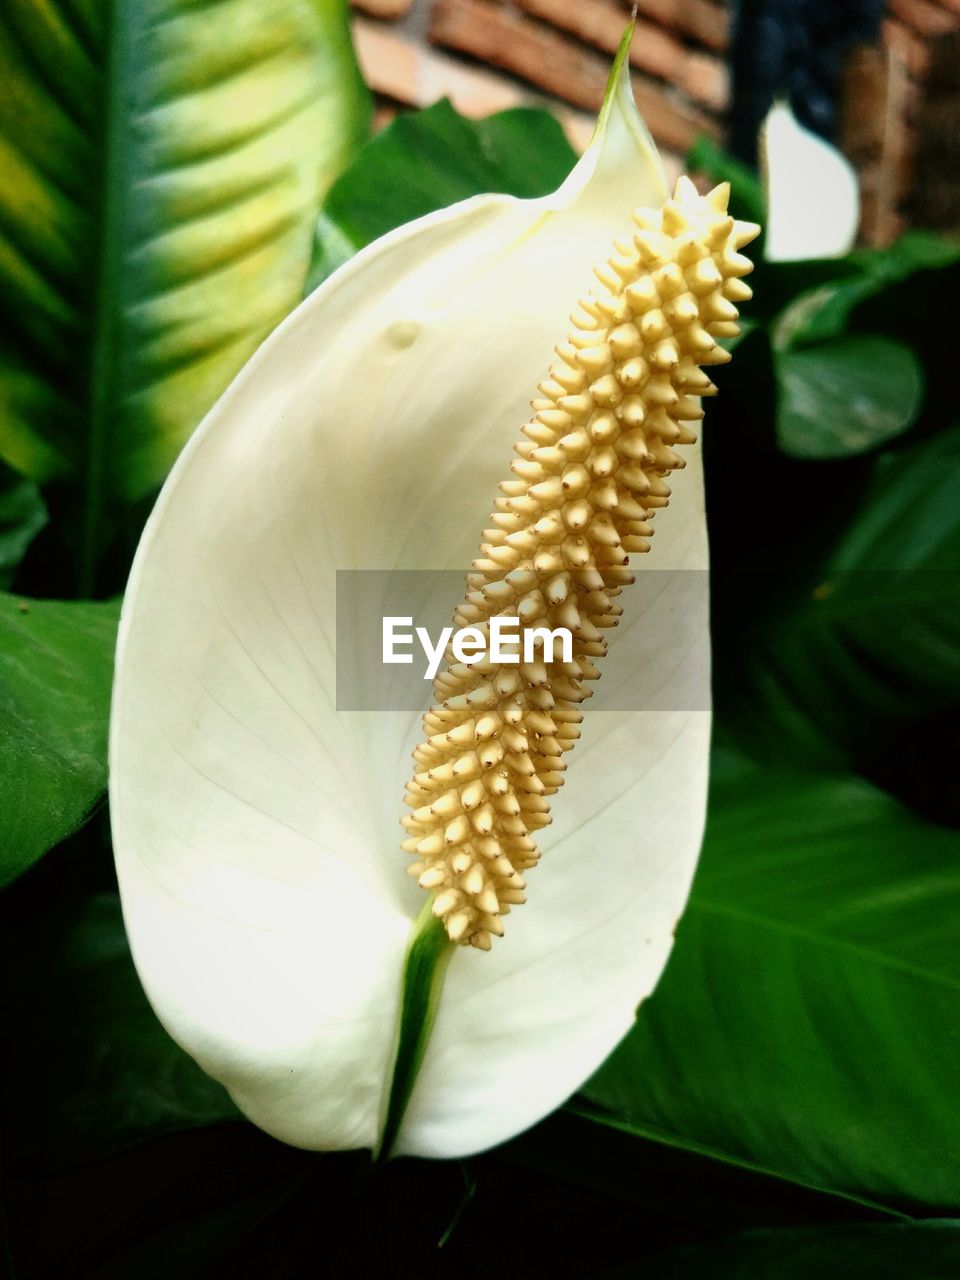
column 489, row 54
column 901, row 120
column 900, row 108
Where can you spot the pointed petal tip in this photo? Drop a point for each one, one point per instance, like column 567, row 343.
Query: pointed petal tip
column 619, row 78
column 622, row 149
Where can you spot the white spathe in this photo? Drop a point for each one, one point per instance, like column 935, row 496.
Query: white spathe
column 256, row 827
column 812, row 193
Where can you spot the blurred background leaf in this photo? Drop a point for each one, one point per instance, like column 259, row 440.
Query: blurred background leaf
column 846, row 396
column 825, row 312
column 22, row 516
column 56, row 665
column 850, row 655
column 157, row 217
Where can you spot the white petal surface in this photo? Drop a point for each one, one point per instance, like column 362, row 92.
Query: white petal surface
column 813, row 197
column 255, row 826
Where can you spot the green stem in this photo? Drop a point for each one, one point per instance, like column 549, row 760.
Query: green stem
column 423, row 973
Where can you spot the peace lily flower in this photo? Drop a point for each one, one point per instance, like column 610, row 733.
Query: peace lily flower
column 812, row 192
column 256, row 826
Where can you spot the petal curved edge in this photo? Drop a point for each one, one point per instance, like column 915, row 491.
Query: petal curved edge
column 255, row 825
column 812, row 192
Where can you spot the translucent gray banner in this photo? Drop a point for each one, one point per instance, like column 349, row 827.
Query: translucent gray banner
column 658, row 659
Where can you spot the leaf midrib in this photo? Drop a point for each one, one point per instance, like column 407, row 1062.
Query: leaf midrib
column 824, row 941
column 104, row 346
column 598, row 1114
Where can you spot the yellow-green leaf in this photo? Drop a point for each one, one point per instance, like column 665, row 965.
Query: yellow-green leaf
column 161, row 164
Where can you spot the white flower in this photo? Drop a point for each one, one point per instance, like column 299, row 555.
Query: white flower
column 812, row 193
column 256, row 827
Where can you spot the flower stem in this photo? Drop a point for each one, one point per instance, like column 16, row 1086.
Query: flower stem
column 423, row 973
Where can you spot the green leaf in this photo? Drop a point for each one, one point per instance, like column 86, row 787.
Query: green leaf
column 806, row 1024
column 56, row 664
column 672, row 1183
column 155, row 218
column 916, row 250
column 846, row 396
column 850, row 656
column 897, row 292
column 93, row 1071
column 430, row 159
column 856, row 1251
column 22, row 516
column 777, row 284
column 825, row 311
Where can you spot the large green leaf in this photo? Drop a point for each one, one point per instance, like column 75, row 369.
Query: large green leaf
column 808, row 1020
column 846, row 396
column 56, row 664
column 674, row 1183
column 861, row 1251
column 854, row 656
column 430, row 159
column 161, row 163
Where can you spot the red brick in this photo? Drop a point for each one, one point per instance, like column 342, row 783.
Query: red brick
column 701, row 76
column 383, row 8
column 925, row 18
column 705, row 79
column 911, row 49
column 863, row 105
column 601, row 23
column 540, row 55
column 399, row 69
column 706, row 23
